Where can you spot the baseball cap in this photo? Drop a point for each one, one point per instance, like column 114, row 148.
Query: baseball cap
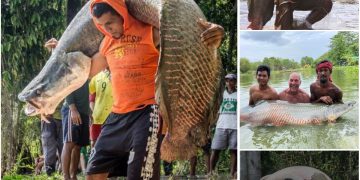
column 230, row 76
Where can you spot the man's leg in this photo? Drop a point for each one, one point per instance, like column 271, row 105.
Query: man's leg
column 233, row 158
column 232, row 134
column 284, row 14
column 101, row 176
column 193, row 162
column 75, row 158
column 143, row 157
column 319, row 9
column 214, row 159
column 219, row 143
column 59, row 140
column 49, row 145
column 66, row 159
column 207, row 160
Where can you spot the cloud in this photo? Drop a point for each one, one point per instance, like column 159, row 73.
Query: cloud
column 270, row 37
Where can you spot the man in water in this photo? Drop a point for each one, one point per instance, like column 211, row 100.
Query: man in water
column 294, row 94
column 262, row 91
column 284, row 13
column 323, row 90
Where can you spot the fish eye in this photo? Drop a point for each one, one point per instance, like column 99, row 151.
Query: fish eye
column 38, row 92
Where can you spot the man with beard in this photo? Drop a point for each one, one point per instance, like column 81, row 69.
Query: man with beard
column 262, row 91
column 323, row 90
column 294, row 94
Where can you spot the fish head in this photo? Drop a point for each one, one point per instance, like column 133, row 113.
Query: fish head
column 260, row 12
column 336, row 110
column 62, row 74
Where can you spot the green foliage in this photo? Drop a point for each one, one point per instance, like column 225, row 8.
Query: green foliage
column 25, row 26
column 339, row 165
column 344, row 48
column 245, row 65
column 223, row 12
column 306, row 61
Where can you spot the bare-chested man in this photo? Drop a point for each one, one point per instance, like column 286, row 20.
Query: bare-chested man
column 323, row 90
column 262, row 91
column 294, row 94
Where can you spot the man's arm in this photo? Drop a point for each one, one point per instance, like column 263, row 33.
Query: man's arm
column 322, row 99
column 156, row 37
column 98, row 63
column 251, row 101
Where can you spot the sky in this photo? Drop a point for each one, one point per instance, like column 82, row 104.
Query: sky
column 256, row 45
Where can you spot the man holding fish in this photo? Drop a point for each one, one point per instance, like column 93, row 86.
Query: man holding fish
column 262, row 91
column 324, row 90
column 130, row 50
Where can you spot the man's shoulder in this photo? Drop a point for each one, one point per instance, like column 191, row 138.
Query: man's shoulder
column 272, row 90
column 284, row 92
column 254, row 87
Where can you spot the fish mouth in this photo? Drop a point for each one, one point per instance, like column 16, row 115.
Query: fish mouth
column 31, row 108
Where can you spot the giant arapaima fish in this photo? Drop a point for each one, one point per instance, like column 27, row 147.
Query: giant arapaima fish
column 188, row 81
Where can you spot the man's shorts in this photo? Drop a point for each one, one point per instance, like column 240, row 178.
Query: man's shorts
column 95, row 130
column 128, row 145
column 224, row 138
column 79, row 134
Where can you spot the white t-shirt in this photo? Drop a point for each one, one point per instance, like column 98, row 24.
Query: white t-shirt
column 227, row 117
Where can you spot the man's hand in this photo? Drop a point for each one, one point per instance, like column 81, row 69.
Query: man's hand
column 326, row 99
column 45, row 118
column 75, row 115
column 51, row 44
column 212, row 35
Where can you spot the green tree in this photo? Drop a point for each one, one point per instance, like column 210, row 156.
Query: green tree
column 344, row 48
column 244, row 65
column 306, row 61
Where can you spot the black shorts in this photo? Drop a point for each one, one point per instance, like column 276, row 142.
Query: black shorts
column 128, row 145
column 79, row 134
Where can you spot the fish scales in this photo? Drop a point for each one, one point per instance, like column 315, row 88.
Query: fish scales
column 198, row 87
column 282, row 113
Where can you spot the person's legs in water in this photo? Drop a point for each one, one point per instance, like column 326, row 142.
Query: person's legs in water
column 284, row 14
column 319, row 9
column 285, row 9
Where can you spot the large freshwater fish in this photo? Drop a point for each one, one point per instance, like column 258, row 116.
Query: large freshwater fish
column 188, row 81
column 297, row 173
column 280, row 113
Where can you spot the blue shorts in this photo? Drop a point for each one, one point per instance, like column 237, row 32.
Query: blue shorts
column 79, row 134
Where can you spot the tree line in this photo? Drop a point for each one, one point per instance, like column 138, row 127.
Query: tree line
column 344, row 50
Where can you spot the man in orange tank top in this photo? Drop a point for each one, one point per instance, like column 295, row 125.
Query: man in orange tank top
column 128, row 143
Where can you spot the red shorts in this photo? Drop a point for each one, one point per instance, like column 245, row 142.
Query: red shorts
column 95, row 130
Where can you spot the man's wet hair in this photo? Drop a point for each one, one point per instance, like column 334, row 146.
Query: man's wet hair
column 263, row 68
column 101, row 8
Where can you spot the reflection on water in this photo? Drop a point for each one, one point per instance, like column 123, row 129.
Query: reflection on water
column 341, row 135
column 342, row 16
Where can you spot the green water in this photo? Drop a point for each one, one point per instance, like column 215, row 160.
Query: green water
column 340, row 135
